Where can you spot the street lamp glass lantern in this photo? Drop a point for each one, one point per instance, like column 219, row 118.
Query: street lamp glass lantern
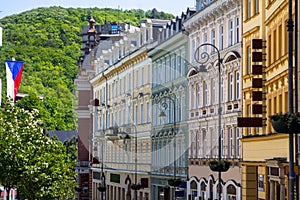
column 162, row 115
column 202, row 68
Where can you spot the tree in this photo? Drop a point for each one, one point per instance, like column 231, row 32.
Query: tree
column 31, row 161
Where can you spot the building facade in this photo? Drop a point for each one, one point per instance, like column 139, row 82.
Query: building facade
column 169, row 100
column 215, row 30
column 122, row 120
column 84, row 91
column 265, row 164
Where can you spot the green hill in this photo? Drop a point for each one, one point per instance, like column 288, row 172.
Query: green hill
column 48, row 41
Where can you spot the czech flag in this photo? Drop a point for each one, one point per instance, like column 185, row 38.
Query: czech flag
column 13, row 76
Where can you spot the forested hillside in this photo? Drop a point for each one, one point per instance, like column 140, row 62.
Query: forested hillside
column 48, row 41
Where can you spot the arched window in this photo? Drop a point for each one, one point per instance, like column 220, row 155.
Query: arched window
column 231, row 192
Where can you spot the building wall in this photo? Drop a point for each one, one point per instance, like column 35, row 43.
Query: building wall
column 218, row 23
column 169, row 94
column 84, row 133
column 124, row 91
column 265, row 152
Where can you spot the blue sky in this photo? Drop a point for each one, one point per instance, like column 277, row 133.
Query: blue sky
column 9, row 7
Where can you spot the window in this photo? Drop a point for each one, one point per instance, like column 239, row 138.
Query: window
column 183, row 64
column 275, row 50
column 167, row 70
column 142, row 113
column 205, row 94
column 148, row 73
column 237, row 85
column 204, row 40
column 237, row 30
column 113, row 89
column 222, row 89
column 124, row 85
column 136, row 114
column 238, row 143
column 279, row 43
column 205, row 144
column 248, row 6
column 230, row 87
column 147, row 152
column 213, row 91
column 178, row 66
column 141, row 153
column 136, row 78
column 248, row 60
column 142, row 76
column 198, row 95
column 256, row 6
column 109, row 92
column 248, row 113
column 173, row 68
column 230, row 33
column 221, row 37
column 213, row 40
column 193, row 146
column 231, row 143
column 129, row 81
column 199, row 145
column 148, row 112
column 193, row 48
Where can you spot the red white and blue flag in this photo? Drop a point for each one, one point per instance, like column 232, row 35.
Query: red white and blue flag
column 13, row 76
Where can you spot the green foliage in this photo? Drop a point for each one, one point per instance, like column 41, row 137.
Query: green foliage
column 48, row 41
column 71, row 146
column 154, row 14
column 31, row 161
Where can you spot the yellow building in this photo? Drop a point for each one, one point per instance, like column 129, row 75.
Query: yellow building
column 265, row 152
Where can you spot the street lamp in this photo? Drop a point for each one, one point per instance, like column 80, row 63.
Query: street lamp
column 102, row 187
column 202, row 59
column 290, row 25
column 136, row 186
column 162, row 115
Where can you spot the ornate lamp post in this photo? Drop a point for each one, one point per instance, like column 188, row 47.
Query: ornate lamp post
column 203, row 58
column 102, row 187
column 136, row 186
column 162, row 115
column 290, row 26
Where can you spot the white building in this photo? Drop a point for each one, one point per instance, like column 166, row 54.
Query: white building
column 169, row 94
column 217, row 24
column 122, row 121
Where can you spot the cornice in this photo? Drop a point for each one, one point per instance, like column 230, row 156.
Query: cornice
column 125, row 63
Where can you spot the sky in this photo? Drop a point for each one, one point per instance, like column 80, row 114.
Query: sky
column 175, row 7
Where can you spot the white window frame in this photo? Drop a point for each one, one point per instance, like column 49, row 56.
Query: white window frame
column 237, row 85
column 213, row 39
column 231, row 89
column 237, row 143
column 237, row 30
column 141, row 113
column 221, row 37
column 230, row 33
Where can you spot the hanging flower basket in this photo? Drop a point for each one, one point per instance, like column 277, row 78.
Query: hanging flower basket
column 102, row 188
column 174, row 182
column 286, row 123
column 215, row 166
column 136, row 186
